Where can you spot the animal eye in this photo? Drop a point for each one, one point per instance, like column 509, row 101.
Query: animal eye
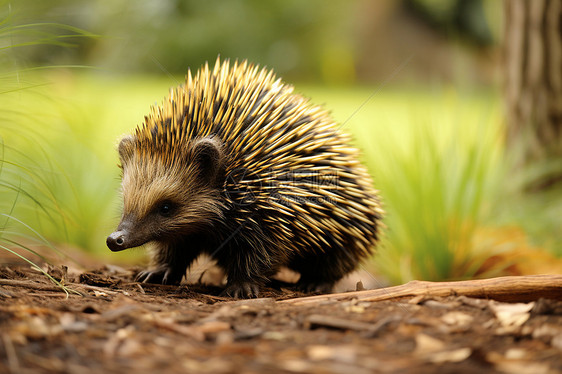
column 165, row 209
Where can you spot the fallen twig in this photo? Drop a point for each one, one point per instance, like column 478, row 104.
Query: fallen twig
column 511, row 289
column 319, row 320
column 367, row 329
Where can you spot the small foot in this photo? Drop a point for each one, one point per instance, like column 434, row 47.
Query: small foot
column 241, row 290
column 163, row 275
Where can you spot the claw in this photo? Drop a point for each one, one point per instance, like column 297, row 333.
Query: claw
column 152, row 277
column 170, row 277
column 159, row 276
column 241, row 290
column 141, row 276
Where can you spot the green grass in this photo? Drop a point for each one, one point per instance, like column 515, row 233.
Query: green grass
column 61, row 153
column 26, row 187
column 436, row 156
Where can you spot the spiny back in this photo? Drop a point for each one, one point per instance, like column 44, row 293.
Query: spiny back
column 286, row 153
column 247, row 108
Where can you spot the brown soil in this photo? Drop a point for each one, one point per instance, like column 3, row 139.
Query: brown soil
column 119, row 326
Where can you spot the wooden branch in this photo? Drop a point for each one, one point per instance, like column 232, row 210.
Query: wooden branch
column 512, row 289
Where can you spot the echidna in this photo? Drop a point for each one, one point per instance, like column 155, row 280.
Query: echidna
column 235, row 165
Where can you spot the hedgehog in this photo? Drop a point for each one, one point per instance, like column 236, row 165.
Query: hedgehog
column 235, row 165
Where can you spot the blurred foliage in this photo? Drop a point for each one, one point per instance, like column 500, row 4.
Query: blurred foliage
column 302, row 40
column 150, row 35
column 28, row 180
column 461, row 18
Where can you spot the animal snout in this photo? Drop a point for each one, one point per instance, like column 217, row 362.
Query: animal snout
column 117, row 241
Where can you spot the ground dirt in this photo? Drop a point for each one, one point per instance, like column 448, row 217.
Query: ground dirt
column 118, row 326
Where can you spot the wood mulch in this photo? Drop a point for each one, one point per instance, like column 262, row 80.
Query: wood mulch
column 110, row 324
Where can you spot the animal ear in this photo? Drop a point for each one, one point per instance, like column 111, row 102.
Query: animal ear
column 126, row 148
column 209, row 156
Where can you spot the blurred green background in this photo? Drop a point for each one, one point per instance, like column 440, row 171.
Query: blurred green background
column 416, row 82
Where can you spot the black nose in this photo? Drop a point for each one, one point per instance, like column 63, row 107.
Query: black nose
column 116, row 241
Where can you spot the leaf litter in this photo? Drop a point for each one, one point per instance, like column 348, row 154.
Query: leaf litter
column 118, row 326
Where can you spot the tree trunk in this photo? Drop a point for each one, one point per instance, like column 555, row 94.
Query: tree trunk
column 533, row 79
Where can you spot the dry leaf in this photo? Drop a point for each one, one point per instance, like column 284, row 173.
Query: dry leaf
column 515, row 354
column 440, row 305
column 457, row 319
column 189, row 331
column 355, row 309
column 416, row 300
column 512, row 315
column 513, row 362
column 213, row 327
column 426, row 344
column 116, row 342
column 434, row 351
column 547, row 331
column 36, row 328
column 522, row 367
column 342, row 353
column 456, row 355
column 556, row 341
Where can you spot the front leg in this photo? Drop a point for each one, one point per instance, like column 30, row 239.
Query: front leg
column 241, row 288
column 247, row 270
column 169, row 263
